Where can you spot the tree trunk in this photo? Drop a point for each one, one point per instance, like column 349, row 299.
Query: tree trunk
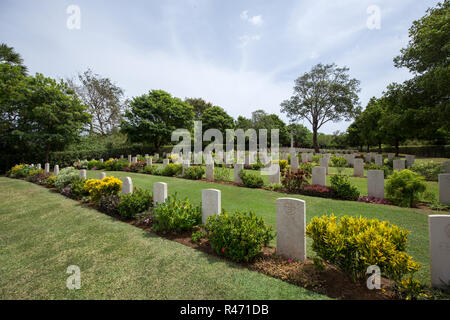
column 396, row 148
column 368, row 148
column 47, row 153
column 379, row 147
column 315, row 146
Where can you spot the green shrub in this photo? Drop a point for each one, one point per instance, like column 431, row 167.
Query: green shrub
column 430, row 170
column 251, row 180
column 194, row 173
column 109, row 204
column 221, row 174
column 40, row 177
column 77, row 189
column 172, row 169
column 176, row 215
column 197, row 236
column 119, row 165
column 138, row 166
column 153, row 170
column 274, row 187
column 134, row 203
column 239, row 236
column 294, row 181
column 373, row 166
column 316, row 158
column 21, row 171
column 343, row 189
column 83, row 164
column 65, row 177
column 95, row 164
column 338, row 162
column 353, row 244
column 307, row 166
column 404, row 187
column 50, row 182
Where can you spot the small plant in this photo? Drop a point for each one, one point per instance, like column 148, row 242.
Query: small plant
column 430, row 170
column 50, row 182
column 239, row 236
column 67, row 192
column 21, row 171
column 172, row 169
column 275, row 187
column 339, row 163
column 194, row 173
column 251, row 180
column 40, row 177
column 77, row 189
column 197, row 236
column 221, row 174
column 65, row 177
column 176, row 215
column 410, row 289
column 294, row 181
column 120, row 165
column 373, row 166
column 95, row 164
column 138, row 166
column 404, row 187
column 316, row 190
column 373, row 200
column 134, row 203
column 307, row 166
column 343, row 189
column 83, row 164
column 153, row 170
column 353, row 244
column 108, row 186
column 109, row 204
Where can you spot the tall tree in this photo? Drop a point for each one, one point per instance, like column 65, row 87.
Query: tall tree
column 199, row 105
column 103, row 99
column 324, row 94
column 151, row 118
column 216, row 118
column 9, row 56
column 427, row 94
column 302, row 135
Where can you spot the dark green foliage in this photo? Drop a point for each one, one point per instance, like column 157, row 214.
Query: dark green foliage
column 343, row 189
column 251, row 180
column 294, row 181
column 194, row 172
column 172, row 169
column 134, row 203
column 176, row 215
column 109, row 204
column 239, row 236
column 403, row 188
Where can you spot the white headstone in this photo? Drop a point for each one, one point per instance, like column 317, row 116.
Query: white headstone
column 319, row 176
column 444, row 188
column 398, row 164
column 274, row 177
column 291, row 224
column 56, row 170
column 134, row 160
column 375, row 183
column 379, row 159
column 210, row 171
column 127, row 185
column 47, row 168
column 324, row 163
column 159, row 193
column 294, row 161
column 358, row 167
column 439, row 228
column 304, row 157
column 149, row 161
column 165, row 162
column 391, row 156
column 38, row 166
column 410, row 160
column 237, row 169
column 129, row 158
column 211, row 203
column 101, row 176
column 83, row 174
column 446, row 167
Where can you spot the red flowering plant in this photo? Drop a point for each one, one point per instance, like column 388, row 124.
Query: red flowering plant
column 317, row 190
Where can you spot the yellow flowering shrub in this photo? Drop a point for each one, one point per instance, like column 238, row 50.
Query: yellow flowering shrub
column 108, row 186
column 353, row 244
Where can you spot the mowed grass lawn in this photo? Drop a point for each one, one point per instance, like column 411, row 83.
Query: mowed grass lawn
column 263, row 203
column 42, row 233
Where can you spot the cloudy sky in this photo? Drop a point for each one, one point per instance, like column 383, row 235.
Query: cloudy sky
column 240, row 55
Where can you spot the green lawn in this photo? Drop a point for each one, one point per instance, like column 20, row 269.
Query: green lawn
column 42, row 233
column 263, row 203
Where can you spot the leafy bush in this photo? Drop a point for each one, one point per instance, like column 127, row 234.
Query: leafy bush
column 108, row 186
column 50, row 182
column 239, row 236
column 316, row 158
column 373, row 166
column 197, row 236
column 95, row 164
column 67, row 192
column 83, row 164
column 194, row 173
column 109, row 204
column 275, row 186
column 138, row 166
column 410, row 289
column 251, row 180
column 429, row 170
column 353, row 244
column 316, row 190
column 134, row 203
column 343, row 189
column 65, row 177
column 176, row 215
column 404, row 187
column 172, row 169
column 21, row 171
column 222, row 174
column 339, row 163
column 307, row 166
column 294, row 181
column 120, row 165
column 373, row 200
column 40, row 177
column 153, row 170
column 77, row 189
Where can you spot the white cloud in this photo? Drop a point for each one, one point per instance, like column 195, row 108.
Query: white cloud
column 255, row 20
column 246, row 39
